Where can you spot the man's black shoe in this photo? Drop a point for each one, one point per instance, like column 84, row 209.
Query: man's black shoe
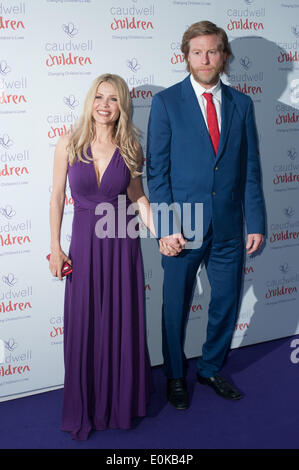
column 221, row 386
column 177, row 393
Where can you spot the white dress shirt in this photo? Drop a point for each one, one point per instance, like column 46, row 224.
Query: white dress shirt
column 216, row 91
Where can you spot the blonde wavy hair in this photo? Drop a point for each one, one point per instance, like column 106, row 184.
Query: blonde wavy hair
column 125, row 133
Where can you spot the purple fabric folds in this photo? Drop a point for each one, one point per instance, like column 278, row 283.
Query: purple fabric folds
column 107, row 368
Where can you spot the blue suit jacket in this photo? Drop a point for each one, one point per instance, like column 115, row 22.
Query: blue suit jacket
column 182, row 166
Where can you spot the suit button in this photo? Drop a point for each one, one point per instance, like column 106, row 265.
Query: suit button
column 213, row 193
column 216, row 168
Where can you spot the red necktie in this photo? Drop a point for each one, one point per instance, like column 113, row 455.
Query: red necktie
column 212, row 121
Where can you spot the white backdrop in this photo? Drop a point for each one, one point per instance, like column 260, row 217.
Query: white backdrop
column 50, row 51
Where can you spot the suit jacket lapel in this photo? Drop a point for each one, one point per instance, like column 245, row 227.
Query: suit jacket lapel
column 195, row 117
column 227, row 110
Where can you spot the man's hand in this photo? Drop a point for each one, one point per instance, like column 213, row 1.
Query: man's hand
column 172, row 245
column 254, row 241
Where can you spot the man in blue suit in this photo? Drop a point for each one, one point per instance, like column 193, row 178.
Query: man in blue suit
column 203, row 148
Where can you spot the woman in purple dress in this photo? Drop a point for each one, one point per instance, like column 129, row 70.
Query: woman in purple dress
column 107, row 368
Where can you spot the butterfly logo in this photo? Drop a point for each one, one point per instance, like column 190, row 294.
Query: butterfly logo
column 8, row 212
column 10, row 279
column 289, row 211
column 70, row 29
column 4, row 68
column 133, row 65
column 291, row 153
column 10, row 344
column 5, row 141
column 71, row 101
column 245, row 62
column 295, row 30
column 284, row 268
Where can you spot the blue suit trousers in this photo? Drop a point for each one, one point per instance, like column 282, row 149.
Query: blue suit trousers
column 224, row 265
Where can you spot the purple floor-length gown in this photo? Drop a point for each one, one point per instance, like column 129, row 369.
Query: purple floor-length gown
column 107, row 369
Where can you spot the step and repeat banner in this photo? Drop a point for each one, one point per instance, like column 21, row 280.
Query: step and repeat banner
column 50, row 51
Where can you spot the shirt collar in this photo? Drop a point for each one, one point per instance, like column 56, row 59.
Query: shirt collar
column 199, row 90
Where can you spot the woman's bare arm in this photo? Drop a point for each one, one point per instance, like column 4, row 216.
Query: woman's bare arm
column 58, row 257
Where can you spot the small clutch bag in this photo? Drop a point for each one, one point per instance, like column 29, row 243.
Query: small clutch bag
column 66, row 268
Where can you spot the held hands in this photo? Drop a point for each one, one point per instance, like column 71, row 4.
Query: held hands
column 172, row 245
column 254, row 242
column 57, row 260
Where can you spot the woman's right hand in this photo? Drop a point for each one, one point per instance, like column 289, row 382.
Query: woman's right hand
column 57, row 260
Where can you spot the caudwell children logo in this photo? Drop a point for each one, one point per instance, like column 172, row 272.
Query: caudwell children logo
column 13, row 163
column 244, row 78
column 132, row 18
column 14, row 297
column 283, row 287
column 71, row 101
column 176, row 55
column 287, row 116
column 195, row 307
column 286, row 173
column 289, row 50
column 246, row 19
column 295, row 30
column 133, row 65
column 4, row 68
column 247, row 270
column 288, row 56
column 12, row 88
column 245, row 62
column 284, row 268
column 62, row 123
column 12, row 20
column 56, row 330
column 71, row 52
column 70, row 29
column 289, row 211
column 292, row 153
column 141, row 92
column 11, row 344
column 17, row 361
column 9, row 279
column 148, row 278
column 285, row 231
column 13, row 232
column 8, row 212
column 249, row 267
column 5, row 141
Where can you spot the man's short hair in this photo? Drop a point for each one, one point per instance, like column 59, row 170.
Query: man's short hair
column 203, row 28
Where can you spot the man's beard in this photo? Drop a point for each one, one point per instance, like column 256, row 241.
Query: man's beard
column 205, row 78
